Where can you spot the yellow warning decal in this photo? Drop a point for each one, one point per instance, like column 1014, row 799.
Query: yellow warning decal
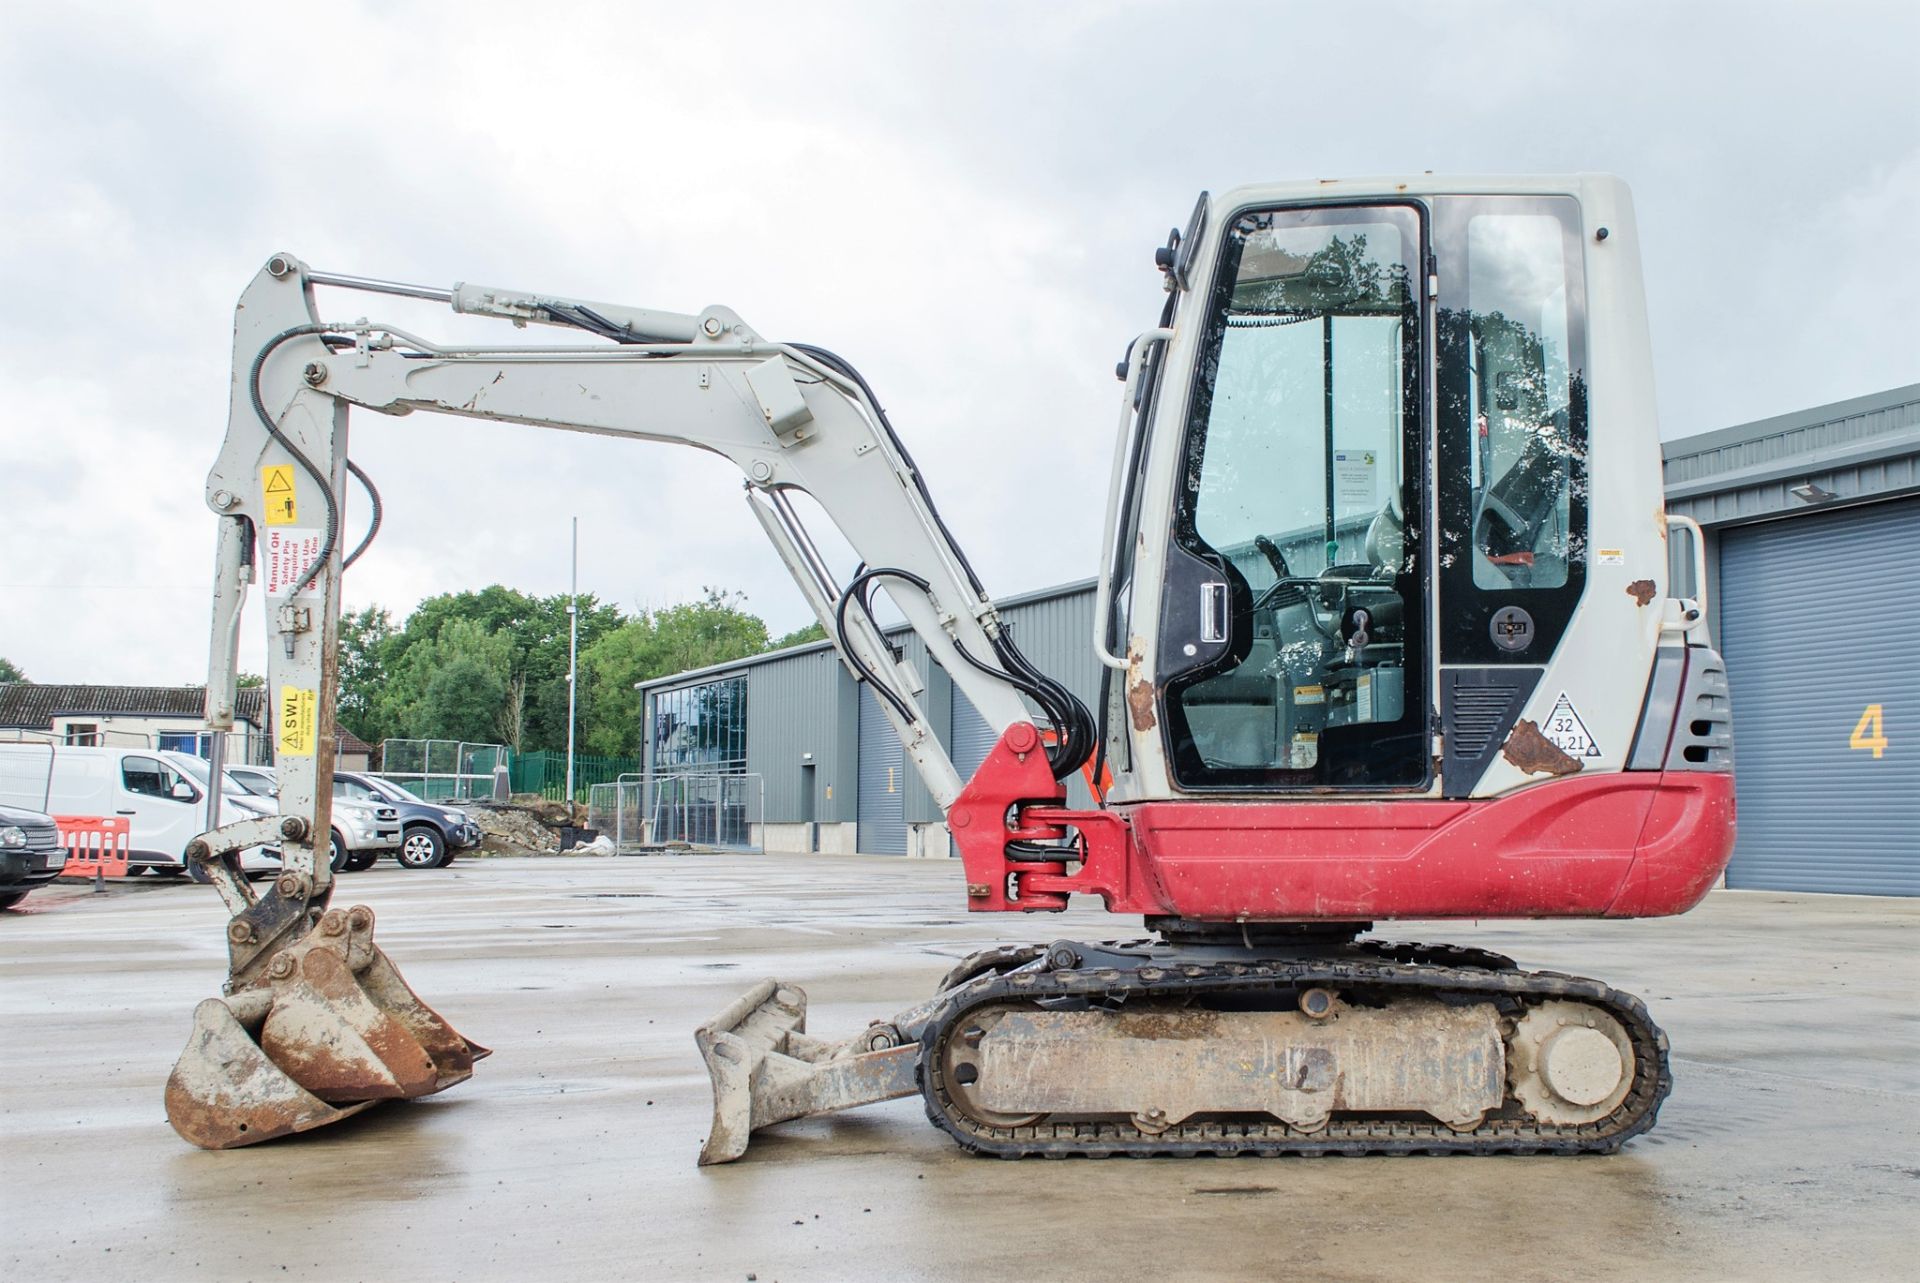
column 276, row 486
column 299, row 716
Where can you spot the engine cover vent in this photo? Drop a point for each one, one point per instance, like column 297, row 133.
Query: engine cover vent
column 1478, row 706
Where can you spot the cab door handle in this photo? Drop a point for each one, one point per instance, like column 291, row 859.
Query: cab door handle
column 1213, row 611
column 126, row 812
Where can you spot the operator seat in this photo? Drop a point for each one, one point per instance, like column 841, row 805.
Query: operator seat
column 1387, row 540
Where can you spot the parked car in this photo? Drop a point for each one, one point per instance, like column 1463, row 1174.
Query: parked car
column 432, row 833
column 365, row 827
column 368, row 829
column 158, row 791
column 257, row 780
column 30, row 853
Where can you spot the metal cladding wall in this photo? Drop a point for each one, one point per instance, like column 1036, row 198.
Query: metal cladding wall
column 972, row 737
column 1869, row 445
column 883, row 792
column 1820, row 624
column 799, row 704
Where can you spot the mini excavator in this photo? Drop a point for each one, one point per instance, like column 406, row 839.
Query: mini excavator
column 1388, row 631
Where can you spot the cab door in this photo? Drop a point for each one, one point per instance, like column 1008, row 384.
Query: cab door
column 163, row 805
column 1512, row 410
column 1293, row 646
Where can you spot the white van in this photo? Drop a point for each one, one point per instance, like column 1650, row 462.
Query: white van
column 166, row 805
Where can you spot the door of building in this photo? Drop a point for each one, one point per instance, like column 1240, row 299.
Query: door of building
column 1818, row 619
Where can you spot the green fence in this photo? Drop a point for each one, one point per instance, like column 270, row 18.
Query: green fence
column 545, row 773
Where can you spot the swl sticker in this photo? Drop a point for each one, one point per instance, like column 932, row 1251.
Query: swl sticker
column 299, row 715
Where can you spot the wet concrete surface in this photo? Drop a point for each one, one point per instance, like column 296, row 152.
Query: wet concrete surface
column 1790, row 1148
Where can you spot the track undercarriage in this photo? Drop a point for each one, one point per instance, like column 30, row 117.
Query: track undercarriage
column 1186, row 1045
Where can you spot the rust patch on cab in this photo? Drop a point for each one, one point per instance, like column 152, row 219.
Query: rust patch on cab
column 1140, row 704
column 1535, row 754
column 1641, row 590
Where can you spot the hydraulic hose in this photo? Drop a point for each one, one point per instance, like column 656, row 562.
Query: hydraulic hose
column 373, row 524
column 286, row 443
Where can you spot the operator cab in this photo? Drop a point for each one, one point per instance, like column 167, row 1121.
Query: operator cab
column 1381, row 433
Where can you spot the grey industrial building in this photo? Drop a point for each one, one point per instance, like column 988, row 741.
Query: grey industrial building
column 1812, row 525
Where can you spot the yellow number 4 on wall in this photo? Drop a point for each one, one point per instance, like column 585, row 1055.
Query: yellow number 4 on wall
column 1870, row 731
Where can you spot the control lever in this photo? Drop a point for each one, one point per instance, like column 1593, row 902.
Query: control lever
column 1357, row 640
column 1275, row 558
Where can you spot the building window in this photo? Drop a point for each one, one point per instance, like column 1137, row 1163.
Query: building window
column 698, row 739
column 79, row 733
column 198, row 743
column 701, row 730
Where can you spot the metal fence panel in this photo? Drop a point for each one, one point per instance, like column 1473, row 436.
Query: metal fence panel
column 443, row 770
column 707, row 810
column 545, row 772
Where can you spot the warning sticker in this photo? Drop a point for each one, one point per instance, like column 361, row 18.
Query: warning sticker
column 276, row 487
column 1309, row 695
column 1613, row 557
column 299, row 715
column 1568, row 733
column 1306, row 751
column 286, row 552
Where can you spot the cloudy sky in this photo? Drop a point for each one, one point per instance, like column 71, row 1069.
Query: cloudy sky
column 961, row 198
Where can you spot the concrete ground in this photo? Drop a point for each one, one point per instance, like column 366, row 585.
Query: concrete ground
column 1790, row 1148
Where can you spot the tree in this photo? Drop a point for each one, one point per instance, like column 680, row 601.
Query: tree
column 535, row 634
column 417, row 701
column 800, row 636
column 462, row 701
column 247, row 681
column 657, row 644
column 366, row 637
column 9, row 673
column 393, row 683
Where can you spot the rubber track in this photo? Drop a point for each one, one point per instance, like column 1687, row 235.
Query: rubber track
column 1505, row 1131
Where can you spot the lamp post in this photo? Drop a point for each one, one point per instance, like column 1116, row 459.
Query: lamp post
column 573, row 651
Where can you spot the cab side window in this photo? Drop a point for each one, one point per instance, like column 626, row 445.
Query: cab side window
column 350, row 789
column 1511, row 362
column 148, row 776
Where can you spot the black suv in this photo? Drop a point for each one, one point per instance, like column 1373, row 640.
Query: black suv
column 30, row 853
column 430, row 833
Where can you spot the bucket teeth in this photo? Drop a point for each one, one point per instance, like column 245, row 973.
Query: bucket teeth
column 335, row 1030
column 225, row 1093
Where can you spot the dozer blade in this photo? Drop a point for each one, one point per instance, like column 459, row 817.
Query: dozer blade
column 766, row 1070
column 335, row 1029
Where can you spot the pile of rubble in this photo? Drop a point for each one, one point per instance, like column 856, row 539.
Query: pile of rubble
column 519, row 828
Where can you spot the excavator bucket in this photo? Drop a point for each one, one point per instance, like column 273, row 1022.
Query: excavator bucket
column 766, row 1069
column 334, row 1030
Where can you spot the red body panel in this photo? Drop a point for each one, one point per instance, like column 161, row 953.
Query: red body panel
column 1625, row 845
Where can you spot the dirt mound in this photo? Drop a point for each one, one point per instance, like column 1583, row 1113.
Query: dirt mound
column 508, row 828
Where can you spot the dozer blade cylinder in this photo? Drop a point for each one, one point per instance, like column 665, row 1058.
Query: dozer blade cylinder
column 766, row 1070
column 334, row 1030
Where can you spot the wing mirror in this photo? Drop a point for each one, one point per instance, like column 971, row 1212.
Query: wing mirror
column 184, row 792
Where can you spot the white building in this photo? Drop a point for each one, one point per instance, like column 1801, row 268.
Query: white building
column 158, row 717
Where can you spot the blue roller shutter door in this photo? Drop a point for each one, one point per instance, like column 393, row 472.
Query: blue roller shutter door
column 883, row 813
column 1819, row 619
